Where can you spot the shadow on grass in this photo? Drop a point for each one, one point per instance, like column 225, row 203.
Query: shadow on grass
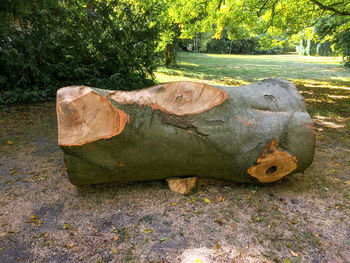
column 330, row 101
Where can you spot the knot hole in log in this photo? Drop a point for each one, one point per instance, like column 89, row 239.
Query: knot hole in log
column 271, row 170
column 273, row 164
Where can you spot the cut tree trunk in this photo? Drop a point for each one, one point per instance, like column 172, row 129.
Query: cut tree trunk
column 255, row 133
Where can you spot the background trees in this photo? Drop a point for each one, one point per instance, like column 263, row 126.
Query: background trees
column 272, row 23
column 116, row 44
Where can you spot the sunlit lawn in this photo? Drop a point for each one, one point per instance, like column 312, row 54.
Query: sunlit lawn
column 242, row 69
column 324, row 83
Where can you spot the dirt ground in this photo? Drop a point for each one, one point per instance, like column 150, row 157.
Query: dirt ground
column 44, row 218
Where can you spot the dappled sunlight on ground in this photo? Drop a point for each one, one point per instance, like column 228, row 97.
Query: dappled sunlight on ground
column 329, row 122
column 325, row 99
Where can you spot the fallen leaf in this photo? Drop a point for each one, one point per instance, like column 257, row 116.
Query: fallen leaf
column 11, row 231
column 163, row 239
column 217, row 246
column 9, row 142
column 115, row 251
column 147, row 231
column 193, row 199
column 232, row 225
column 333, row 170
column 221, row 199
column 115, row 238
column 219, row 222
column 258, row 219
column 144, row 241
column 1, row 248
column 71, row 245
column 206, row 200
column 66, row 226
column 174, row 203
column 294, row 254
column 287, row 260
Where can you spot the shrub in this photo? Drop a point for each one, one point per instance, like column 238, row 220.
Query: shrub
column 47, row 44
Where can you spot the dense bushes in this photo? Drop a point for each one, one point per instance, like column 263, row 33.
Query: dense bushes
column 46, row 44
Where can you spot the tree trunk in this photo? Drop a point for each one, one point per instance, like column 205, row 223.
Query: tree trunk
column 169, row 56
column 255, row 133
column 195, row 43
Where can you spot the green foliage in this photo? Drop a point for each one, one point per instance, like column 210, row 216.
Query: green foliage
column 224, row 45
column 46, row 44
column 343, row 44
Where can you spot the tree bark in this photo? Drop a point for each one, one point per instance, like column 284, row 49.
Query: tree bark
column 255, row 133
column 195, row 43
column 169, row 56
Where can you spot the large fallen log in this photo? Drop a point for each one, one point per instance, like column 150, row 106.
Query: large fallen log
column 255, row 133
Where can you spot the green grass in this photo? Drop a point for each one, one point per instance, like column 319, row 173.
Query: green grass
column 235, row 70
column 323, row 82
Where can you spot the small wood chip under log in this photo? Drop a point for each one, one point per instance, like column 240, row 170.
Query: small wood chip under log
column 182, row 185
column 255, row 133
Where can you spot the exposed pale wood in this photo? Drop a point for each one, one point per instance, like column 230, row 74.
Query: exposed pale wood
column 84, row 116
column 179, row 98
column 273, row 164
column 182, row 185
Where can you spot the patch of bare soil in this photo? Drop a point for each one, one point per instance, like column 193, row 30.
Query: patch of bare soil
column 44, row 218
